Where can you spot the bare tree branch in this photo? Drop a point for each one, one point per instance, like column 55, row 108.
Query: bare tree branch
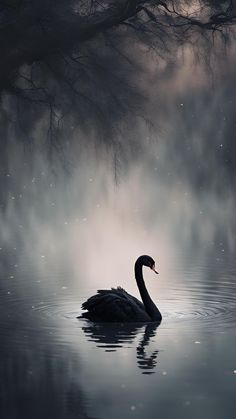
column 50, row 53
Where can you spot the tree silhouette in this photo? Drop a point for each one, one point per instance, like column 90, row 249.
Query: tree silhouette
column 76, row 62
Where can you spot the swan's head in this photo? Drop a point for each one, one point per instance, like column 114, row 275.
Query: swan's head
column 148, row 261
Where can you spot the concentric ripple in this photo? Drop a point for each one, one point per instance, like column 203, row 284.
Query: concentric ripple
column 188, row 304
column 203, row 304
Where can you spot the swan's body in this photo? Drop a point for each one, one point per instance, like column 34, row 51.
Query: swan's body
column 116, row 305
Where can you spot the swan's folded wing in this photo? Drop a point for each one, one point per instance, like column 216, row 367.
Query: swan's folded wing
column 130, row 297
column 114, row 305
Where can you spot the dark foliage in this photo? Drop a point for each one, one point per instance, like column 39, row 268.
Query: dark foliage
column 78, row 64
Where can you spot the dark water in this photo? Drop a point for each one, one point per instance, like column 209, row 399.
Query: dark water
column 55, row 366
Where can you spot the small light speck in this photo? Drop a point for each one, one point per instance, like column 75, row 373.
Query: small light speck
column 132, row 407
column 84, row 219
column 65, row 222
column 64, row 288
column 9, row 292
column 42, row 256
column 12, row 276
column 234, row 371
column 181, row 104
column 164, row 373
column 197, row 341
column 32, row 307
column 187, row 403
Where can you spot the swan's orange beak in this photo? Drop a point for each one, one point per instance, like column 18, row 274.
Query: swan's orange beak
column 154, row 269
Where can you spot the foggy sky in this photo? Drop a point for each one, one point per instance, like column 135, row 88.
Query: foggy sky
column 168, row 183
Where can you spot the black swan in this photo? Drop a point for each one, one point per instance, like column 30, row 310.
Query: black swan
column 116, row 305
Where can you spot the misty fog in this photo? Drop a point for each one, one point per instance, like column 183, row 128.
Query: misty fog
column 171, row 189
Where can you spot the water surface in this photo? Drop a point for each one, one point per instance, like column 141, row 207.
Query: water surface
column 54, row 365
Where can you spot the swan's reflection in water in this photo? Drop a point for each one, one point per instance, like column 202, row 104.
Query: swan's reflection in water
column 111, row 336
column 147, row 363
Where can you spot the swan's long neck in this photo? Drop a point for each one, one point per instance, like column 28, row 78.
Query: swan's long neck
column 150, row 307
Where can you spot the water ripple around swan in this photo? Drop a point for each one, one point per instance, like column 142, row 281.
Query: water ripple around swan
column 191, row 304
